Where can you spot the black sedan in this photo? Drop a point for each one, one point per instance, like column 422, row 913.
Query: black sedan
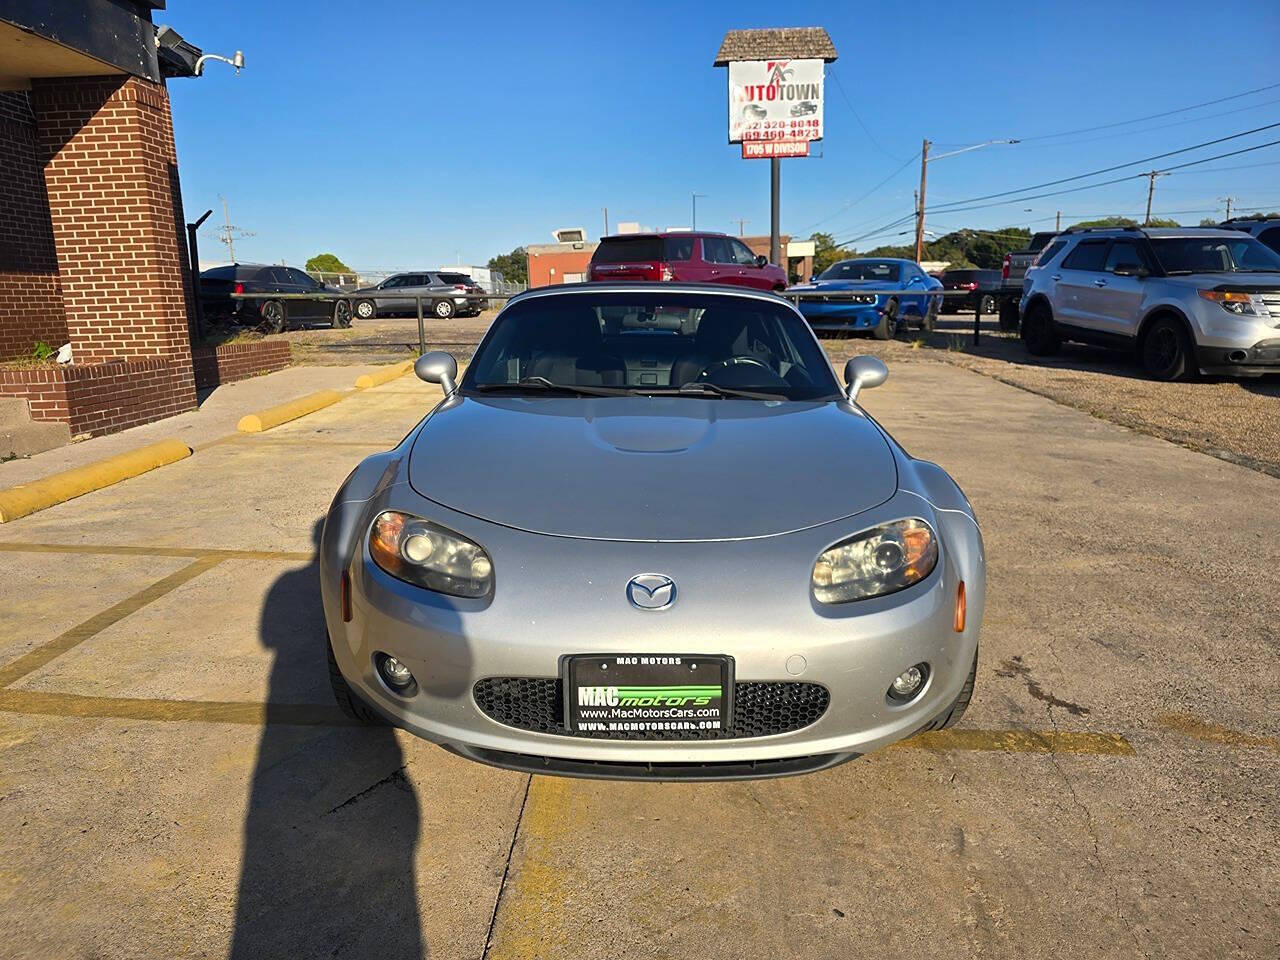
column 273, row 315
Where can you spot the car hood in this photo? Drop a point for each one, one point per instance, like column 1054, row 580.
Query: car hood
column 849, row 285
column 1228, row 281
column 652, row 468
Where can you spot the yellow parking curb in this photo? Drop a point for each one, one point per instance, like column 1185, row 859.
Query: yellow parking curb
column 383, row 375
column 274, row 416
column 46, row 492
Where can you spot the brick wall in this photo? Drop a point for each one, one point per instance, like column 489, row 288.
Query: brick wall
column 237, row 361
column 103, row 398
column 110, row 170
column 30, row 295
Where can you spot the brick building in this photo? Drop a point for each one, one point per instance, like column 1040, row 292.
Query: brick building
column 93, row 245
column 564, row 261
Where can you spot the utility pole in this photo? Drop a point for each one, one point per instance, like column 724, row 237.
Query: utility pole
column 1057, row 226
column 1229, row 201
column 1151, row 189
column 695, row 197
column 775, row 210
column 741, row 222
column 227, row 233
column 606, row 220
column 924, row 170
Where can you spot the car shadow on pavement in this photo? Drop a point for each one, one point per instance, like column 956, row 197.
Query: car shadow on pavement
column 332, row 821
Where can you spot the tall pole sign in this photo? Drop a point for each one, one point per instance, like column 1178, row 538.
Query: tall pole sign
column 776, row 86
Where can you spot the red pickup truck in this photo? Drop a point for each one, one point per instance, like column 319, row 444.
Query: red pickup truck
column 688, row 257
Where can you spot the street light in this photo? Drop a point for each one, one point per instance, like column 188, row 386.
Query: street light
column 695, row 197
column 924, row 167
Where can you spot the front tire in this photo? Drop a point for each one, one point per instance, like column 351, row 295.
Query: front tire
column 1039, row 334
column 888, row 324
column 443, row 309
column 349, row 703
column 1166, row 351
column 366, row 309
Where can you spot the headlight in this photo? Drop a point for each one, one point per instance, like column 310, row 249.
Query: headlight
column 429, row 555
column 1240, row 304
column 876, row 561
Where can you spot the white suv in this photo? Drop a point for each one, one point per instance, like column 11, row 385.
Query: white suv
column 1185, row 300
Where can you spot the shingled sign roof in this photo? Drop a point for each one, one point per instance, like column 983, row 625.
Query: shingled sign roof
column 786, row 43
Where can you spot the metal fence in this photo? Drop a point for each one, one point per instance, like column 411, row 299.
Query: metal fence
column 355, row 279
column 797, row 297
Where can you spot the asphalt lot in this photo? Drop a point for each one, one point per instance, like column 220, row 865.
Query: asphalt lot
column 176, row 782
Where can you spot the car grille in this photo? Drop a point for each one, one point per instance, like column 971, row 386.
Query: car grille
column 759, row 709
column 1272, row 301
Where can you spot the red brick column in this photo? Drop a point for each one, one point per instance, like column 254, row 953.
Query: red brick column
column 110, row 169
column 30, row 297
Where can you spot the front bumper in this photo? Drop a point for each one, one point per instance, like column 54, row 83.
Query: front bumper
column 556, row 596
column 840, row 315
column 1260, row 358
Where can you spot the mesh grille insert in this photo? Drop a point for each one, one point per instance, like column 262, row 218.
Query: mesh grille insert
column 759, row 709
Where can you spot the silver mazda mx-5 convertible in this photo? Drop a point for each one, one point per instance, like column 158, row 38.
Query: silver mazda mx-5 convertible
column 647, row 535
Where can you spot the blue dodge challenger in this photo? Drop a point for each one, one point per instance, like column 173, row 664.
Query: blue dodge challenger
column 831, row 300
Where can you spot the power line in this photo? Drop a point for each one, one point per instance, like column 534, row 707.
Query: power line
column 951, row 208
column 1153, row 116
column 1118, row 166
column 840, row 86
column 1145, row 130
column 854, row 203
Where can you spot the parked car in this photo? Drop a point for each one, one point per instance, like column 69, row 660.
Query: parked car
column 983, row 288
column 624, row 481
column 218, row 283
column 1012, row 271
column 444, row 294
column 1185, row 300
column 692, row 257
column 1262, row 229
column 830, row 300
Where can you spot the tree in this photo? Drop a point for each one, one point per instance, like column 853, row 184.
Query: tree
column 513, row 266
column 327, row 263
column 825, row 251
column 1126, row 222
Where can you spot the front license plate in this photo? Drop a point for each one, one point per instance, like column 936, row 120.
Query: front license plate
column 662, row 695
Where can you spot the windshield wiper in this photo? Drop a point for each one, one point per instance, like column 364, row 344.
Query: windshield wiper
column 542, row 383
column 704, row 389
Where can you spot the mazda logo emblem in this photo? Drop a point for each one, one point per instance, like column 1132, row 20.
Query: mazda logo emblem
column 651, row 591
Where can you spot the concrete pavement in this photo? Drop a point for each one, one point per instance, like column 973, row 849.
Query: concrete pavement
column 175, row 780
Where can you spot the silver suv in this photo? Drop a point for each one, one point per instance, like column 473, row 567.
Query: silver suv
column 443, row 294
column 1186, row 300
column 1264, row 229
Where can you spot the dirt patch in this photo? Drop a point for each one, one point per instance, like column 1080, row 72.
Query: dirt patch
column 1234, row 419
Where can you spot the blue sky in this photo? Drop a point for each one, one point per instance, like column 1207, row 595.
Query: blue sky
column 402, row 134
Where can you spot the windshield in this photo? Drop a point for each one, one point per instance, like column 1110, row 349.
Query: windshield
column 861, row 270
column 1214, row 255
column 652, row 343
column 628, row 250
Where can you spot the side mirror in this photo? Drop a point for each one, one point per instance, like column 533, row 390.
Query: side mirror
column 813, row 277
column 762, row 261
column 863, row 373
column 438, row 367
column 1130, row 270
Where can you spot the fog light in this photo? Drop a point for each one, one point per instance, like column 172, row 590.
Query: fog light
column 395, row 673
column 908, row 683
